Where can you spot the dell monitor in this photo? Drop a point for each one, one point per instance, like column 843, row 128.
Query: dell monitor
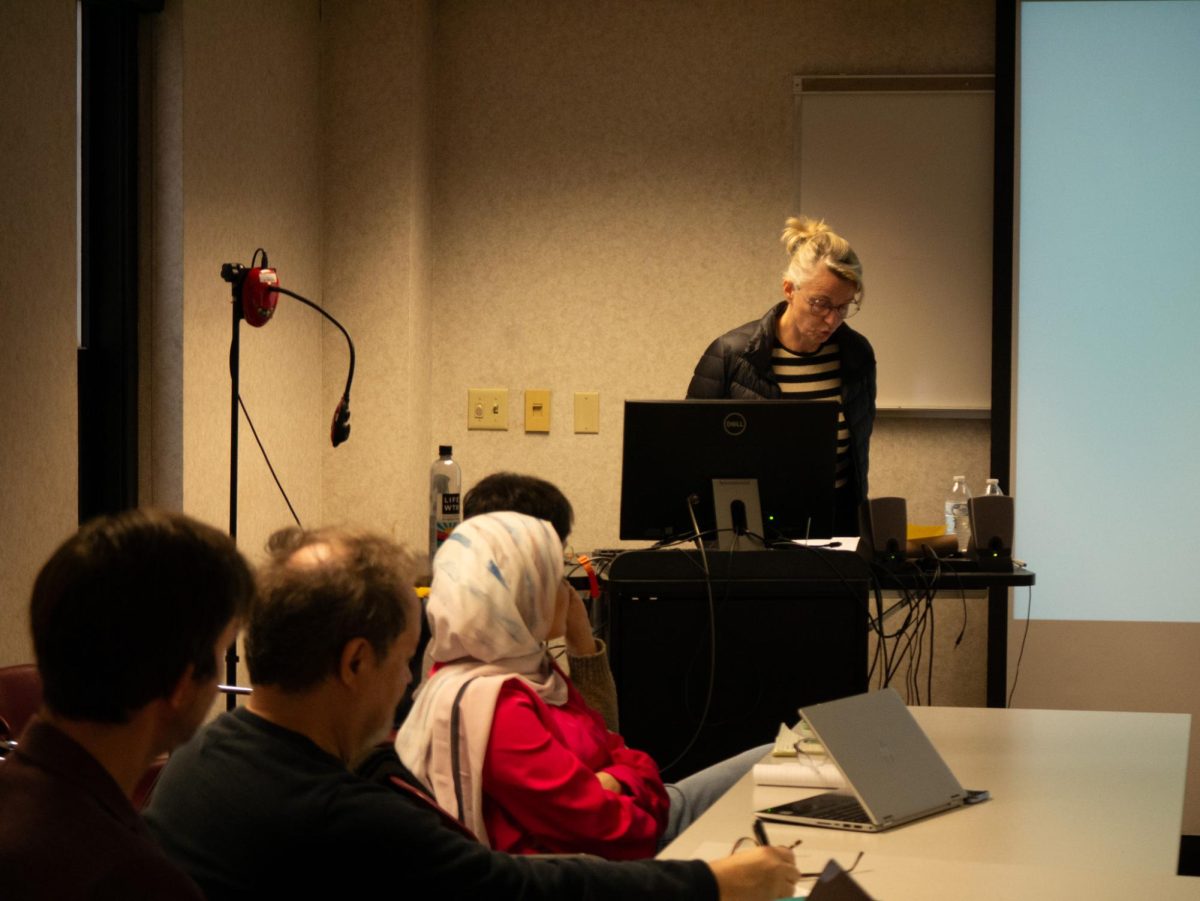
column 674, row 450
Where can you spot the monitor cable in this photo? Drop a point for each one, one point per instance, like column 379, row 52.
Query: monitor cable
column 1021, row 654
column 692, row 500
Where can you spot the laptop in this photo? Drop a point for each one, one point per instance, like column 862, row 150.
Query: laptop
column 893, row 772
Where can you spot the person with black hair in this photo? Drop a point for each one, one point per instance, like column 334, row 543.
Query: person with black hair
column 521, row 494
column 130, row 618
column 264, row 802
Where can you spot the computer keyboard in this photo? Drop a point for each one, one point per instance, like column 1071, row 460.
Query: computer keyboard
column 832, row 807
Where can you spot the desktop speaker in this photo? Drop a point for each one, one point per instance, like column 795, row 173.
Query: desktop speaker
column 883, row 530
column 992, row 531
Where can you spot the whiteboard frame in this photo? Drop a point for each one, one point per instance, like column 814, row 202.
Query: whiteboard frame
column 935, row 132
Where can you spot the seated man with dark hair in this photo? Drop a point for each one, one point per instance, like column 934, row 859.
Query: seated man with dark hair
column 130, row 618
column 520, row 493
column 263, row 802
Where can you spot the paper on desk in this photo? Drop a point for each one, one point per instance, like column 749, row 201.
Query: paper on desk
column 837, row 543
column 798, row 760
column 800, row 772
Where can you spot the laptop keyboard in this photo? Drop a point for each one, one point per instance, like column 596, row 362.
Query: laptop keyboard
column 834, row 807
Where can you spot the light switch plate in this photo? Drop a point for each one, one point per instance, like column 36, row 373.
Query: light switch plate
column 487, row 408
column 587, row 412
column 537, row 410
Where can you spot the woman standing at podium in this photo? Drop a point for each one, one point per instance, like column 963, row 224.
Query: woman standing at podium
column 803, row 349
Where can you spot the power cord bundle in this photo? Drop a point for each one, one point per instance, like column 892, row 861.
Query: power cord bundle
column 913, row 641
column 697, row 537
column 712, row 657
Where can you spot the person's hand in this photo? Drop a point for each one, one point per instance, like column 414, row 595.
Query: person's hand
column 609, row 781
column 579, row 639
column 762, row 874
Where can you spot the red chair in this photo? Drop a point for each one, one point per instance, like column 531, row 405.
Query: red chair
column 145, row 786
column 20, row 695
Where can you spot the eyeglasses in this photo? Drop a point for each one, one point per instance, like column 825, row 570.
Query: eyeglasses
column 849, row 869
column 821, row 307
column 747, row 841
column 760, row 839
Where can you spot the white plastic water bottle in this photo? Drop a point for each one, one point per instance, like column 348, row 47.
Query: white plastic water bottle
column 958, row 516
column 445, row 507
column 993, row 489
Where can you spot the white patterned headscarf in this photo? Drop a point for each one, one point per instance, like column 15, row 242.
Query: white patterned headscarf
column 490, row 608
column 494, row 585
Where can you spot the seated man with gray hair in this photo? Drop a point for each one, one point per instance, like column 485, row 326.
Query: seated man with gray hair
column 263, row 802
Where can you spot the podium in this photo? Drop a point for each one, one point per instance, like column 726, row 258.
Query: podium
column 790, row 630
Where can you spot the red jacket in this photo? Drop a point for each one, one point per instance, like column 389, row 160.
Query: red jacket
column 540, row 792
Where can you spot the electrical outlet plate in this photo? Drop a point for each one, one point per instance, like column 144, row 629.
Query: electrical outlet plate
column 537, row 410
column 487, row 408
column 587, row 412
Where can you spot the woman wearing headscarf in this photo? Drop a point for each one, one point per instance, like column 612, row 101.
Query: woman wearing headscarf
column 500, row 735
column 498, row 732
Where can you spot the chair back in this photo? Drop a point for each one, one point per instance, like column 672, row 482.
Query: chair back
column 20, row 695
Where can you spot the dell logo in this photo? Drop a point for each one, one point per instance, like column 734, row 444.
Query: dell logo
column 735, row 424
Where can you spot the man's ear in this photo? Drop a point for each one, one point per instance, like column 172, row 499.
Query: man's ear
column 184, row 690
column 788, row 288
column 354, row 656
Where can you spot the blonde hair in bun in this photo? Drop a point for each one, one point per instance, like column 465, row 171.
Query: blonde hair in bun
column 811, row 243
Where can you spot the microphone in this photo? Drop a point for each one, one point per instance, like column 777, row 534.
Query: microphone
column 254, row 286
column 258, row 295
column 339, row 429
column 259, row 290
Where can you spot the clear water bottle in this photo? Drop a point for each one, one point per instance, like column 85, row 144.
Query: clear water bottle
column 958, row 516
column 993, row 489
column 445, row 506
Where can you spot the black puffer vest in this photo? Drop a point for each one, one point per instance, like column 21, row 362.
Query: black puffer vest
column 738, row 365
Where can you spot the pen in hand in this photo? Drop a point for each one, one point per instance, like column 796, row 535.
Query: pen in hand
column 760, row 833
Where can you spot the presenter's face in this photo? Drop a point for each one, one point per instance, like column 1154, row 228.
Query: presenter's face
column 804, row 328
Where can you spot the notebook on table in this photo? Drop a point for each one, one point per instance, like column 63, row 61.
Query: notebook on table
column 894, row 775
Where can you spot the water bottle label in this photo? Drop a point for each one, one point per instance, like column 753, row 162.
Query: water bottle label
column 449, row 504
column 443, row 528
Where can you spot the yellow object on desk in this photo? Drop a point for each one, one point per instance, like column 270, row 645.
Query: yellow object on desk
column 920, row 533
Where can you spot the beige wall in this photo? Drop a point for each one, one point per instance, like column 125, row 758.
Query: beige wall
column 531, row 194
column 610, row 182
column 480, row 209
column 38, row 499
column 376, row 104
column 235, row 166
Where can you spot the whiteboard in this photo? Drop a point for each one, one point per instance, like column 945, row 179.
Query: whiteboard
column 902, row 167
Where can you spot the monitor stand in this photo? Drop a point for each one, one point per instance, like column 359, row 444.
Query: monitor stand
column 739, row 514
